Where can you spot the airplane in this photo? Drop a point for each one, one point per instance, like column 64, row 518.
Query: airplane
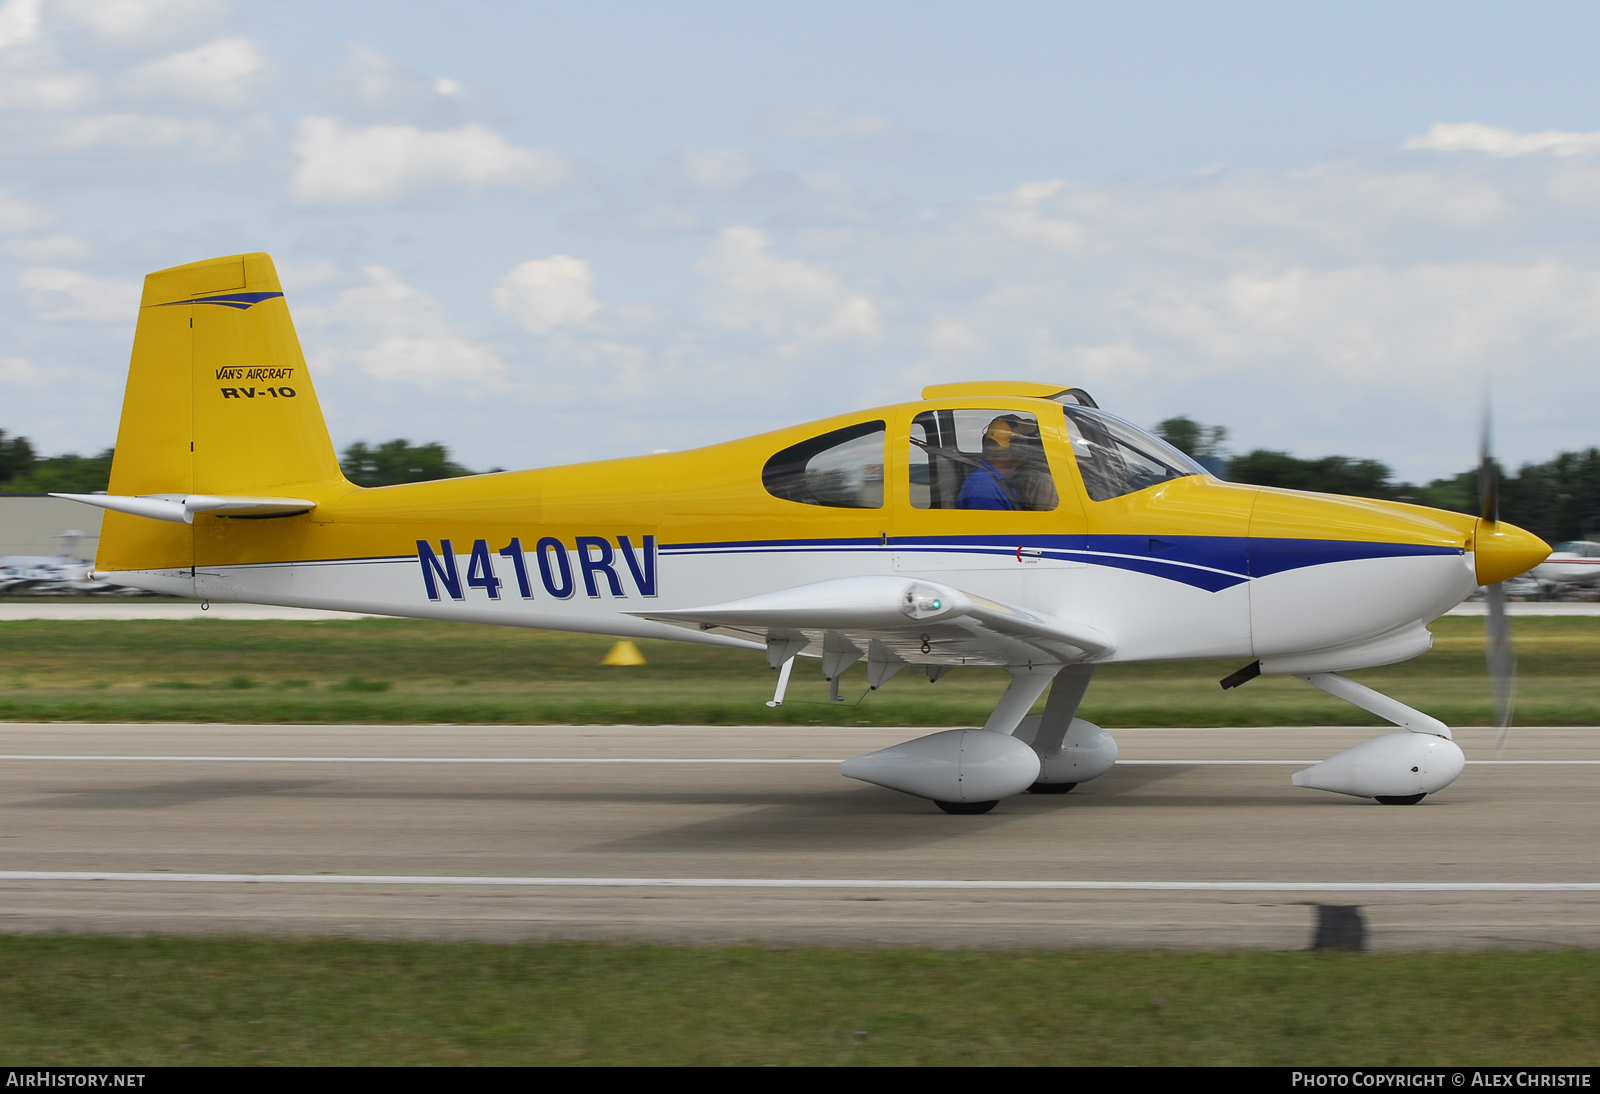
column 20, row 572
column 1576, row 562
column 60, row 574
column 1009, row 524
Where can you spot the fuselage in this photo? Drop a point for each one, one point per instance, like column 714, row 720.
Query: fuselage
column 1573, row 563
column 1187, row 567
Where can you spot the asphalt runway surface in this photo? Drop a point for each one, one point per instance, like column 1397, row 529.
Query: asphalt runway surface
column 1197, row 840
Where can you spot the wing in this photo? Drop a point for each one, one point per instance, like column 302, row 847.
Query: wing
column 894, row 621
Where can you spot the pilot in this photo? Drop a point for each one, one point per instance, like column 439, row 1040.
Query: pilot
column 989, row 486
column 1035, row 489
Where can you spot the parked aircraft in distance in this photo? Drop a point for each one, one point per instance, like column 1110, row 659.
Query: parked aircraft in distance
column 60, row 574
column 1576, row 562
column 994, row 523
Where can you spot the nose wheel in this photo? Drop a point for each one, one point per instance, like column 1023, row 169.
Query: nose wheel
column 1050, row 788
column 1405, row 799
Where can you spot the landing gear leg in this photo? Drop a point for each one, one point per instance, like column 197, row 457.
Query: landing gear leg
column 1070, row 750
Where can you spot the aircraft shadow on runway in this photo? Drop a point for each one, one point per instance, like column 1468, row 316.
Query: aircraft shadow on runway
column 167, row 795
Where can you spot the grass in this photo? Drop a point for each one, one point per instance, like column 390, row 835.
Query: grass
column 158, row 1001
column 406, row 671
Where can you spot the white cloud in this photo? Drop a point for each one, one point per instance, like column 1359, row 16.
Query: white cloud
column 60, row 295
column 792, row 301
column 1351, row 306
column 55, row 248
column 370, row 87
column 661, row 220
column 302, row 277
column 395, row 332
column 142, row 24
column 712, row 170
column 429, row 359
column 35, row 86
column 1475, row 137
column 383, row 166
column 1371, row 326
column 133, row 91
column 19, row 370
column 18, row 216
column 228, row 73
column 823, row 121
column 117, row 145
column 828, row 196
column 547, row 293
column 956, row 341
column 1018, row 215
column 19, row 22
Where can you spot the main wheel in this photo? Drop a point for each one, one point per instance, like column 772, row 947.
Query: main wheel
column 966, row 808
column 1050, row 788
column 1404, row 799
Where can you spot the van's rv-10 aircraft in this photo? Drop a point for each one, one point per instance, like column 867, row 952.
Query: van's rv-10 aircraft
column 1001, row 524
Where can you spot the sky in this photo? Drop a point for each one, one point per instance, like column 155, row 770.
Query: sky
column 541, row 233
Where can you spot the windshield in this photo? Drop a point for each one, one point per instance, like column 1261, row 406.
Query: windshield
column 1117, row 458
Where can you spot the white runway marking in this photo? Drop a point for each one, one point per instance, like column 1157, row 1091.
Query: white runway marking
column 419, row 759
column 92, row 757
column 816, row 883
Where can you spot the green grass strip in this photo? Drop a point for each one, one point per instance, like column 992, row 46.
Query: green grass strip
column 152, row 1001
column 395, row 671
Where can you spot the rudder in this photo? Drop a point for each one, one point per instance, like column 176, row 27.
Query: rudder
column 218, row 402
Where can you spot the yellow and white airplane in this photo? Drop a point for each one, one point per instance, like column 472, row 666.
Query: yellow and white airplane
column 1000, row 524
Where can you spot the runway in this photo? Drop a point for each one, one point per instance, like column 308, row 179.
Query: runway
column 735, row 833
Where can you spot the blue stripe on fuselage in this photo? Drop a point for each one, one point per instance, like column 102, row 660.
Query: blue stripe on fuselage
column 1212, row 563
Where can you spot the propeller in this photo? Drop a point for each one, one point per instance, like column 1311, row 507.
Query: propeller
column 1497, row 630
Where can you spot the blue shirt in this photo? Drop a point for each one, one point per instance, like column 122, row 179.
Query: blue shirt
column 986, row 488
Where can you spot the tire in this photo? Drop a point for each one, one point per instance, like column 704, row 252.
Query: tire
column 1050, row 788
column 967, row 808
column 1407, row 799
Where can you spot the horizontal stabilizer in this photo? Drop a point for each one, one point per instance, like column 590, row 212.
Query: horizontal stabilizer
column 181, row 508
column 923, row 621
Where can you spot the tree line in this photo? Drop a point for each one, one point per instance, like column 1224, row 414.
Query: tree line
column 23, row 471
column 1556, row 500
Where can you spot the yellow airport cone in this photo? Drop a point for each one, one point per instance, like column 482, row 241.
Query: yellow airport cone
column 623, row 653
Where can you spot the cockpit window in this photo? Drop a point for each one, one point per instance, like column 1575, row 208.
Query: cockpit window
column 1116, row 458
column 979, row 459
column 1580, row 547
column 842, row 469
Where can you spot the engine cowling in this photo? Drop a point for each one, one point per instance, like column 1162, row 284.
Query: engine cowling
column 955, row 765
column 1398, row 765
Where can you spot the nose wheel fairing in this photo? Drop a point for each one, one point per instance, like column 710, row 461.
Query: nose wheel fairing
column 1397, row 769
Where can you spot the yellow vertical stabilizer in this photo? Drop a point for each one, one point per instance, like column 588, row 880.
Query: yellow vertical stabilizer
column 218, row 402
